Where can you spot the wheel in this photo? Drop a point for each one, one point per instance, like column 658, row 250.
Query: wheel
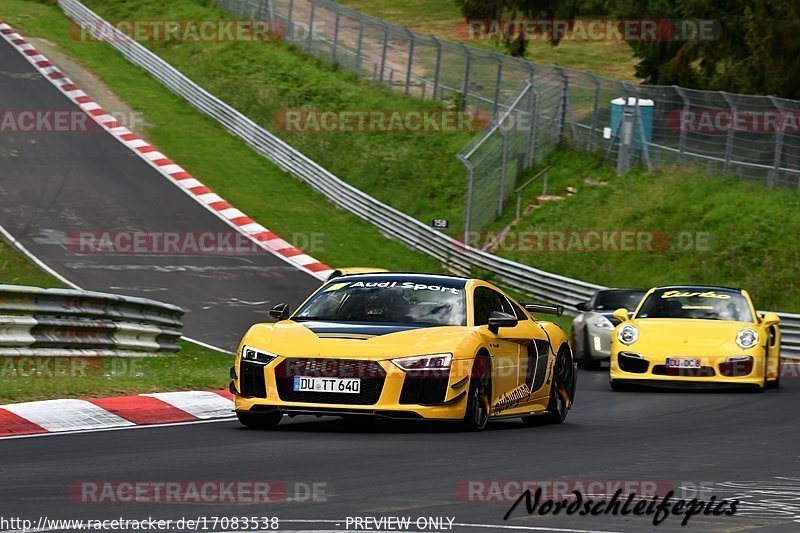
column 587, row 361
column 562, row 389
column 480, row 395
column 260, row 420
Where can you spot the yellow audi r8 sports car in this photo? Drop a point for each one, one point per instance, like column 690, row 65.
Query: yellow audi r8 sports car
column 687, row 335
column 411, row 346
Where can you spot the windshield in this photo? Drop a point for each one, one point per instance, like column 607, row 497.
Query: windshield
column 706, row 304
column 433, row 302
column 613, row 300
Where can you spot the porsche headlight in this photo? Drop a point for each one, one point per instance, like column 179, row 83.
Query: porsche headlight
column 603, row 323
column 254, row 355
column 747, row 338
column 628, row 334
column 439, row 361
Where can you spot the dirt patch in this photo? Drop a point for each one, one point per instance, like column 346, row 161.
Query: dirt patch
column 93, row 86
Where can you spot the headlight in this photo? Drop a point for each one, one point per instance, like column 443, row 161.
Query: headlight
column 603, row 323
column 439, row 361
column 254, row 355
column 628, row 334
column 747, row 338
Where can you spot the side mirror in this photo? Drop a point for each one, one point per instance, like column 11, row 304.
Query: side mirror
column 770, row 319
column 621, row 314
column 584, row 306
column 499, row 319
column 280, row 312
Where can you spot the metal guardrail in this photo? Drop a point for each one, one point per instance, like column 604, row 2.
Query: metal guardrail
column 454, row 255
column 65, row 322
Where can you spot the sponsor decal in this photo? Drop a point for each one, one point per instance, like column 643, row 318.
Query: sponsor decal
column 512, row 399
column 687, row 294
column 403, row 285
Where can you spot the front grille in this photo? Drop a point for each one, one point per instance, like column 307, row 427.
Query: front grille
column 636, row 365
column 702, row 372
column 251, row 380
column 424, row 390
column 371, row 374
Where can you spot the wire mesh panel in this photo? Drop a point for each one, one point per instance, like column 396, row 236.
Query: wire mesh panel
column 754, row 137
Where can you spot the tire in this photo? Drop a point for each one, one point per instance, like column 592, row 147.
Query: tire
column 563, row 384
column 480, row 395
column 587, row 361
column 260, row 420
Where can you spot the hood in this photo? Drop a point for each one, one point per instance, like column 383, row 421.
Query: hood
column 675, row 332
column 355, row 339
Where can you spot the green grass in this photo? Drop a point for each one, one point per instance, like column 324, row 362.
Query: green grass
column 194, row 368
column 15, row 269
column 443, row 18
column 754, row 233
column 244, row 178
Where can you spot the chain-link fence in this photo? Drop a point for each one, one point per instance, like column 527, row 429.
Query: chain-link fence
column 533, row 107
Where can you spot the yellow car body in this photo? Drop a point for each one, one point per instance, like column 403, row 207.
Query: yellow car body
column 520, row 357
column 696, row 336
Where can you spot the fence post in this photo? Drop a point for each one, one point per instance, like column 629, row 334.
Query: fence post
column 595, row 110
column 642, row 134
column 729, row 138
column 385, row 48
column 271, row 15
column 359, row 45
column 438, row 66
column 289, row 20
column 534, row 125
column 468, row 206
column 310, row 37
column 503, row 169
column 467, row 68
column 498, row 81
column 335, row 44
column 410, row 64
column 776, row 165
column 564, row 101
column 684, row 113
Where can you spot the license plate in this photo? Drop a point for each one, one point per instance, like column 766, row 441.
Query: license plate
column 334, row 385
column 683, row 363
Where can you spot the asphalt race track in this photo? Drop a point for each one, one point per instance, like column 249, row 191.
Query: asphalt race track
column 730, row 444
column 55, row 183
column 702, row 444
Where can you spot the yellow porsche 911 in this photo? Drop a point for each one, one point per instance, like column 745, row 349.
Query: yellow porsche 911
column 410, row 346
column 706, row 336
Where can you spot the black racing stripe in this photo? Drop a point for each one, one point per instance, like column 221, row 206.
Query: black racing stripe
column 357, row 328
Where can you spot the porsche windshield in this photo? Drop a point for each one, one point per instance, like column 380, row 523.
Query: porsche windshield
column 425, row 301
column 705, row 304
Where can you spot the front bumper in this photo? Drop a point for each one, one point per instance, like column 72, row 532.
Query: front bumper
column 386, row 391
column 630, row 367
